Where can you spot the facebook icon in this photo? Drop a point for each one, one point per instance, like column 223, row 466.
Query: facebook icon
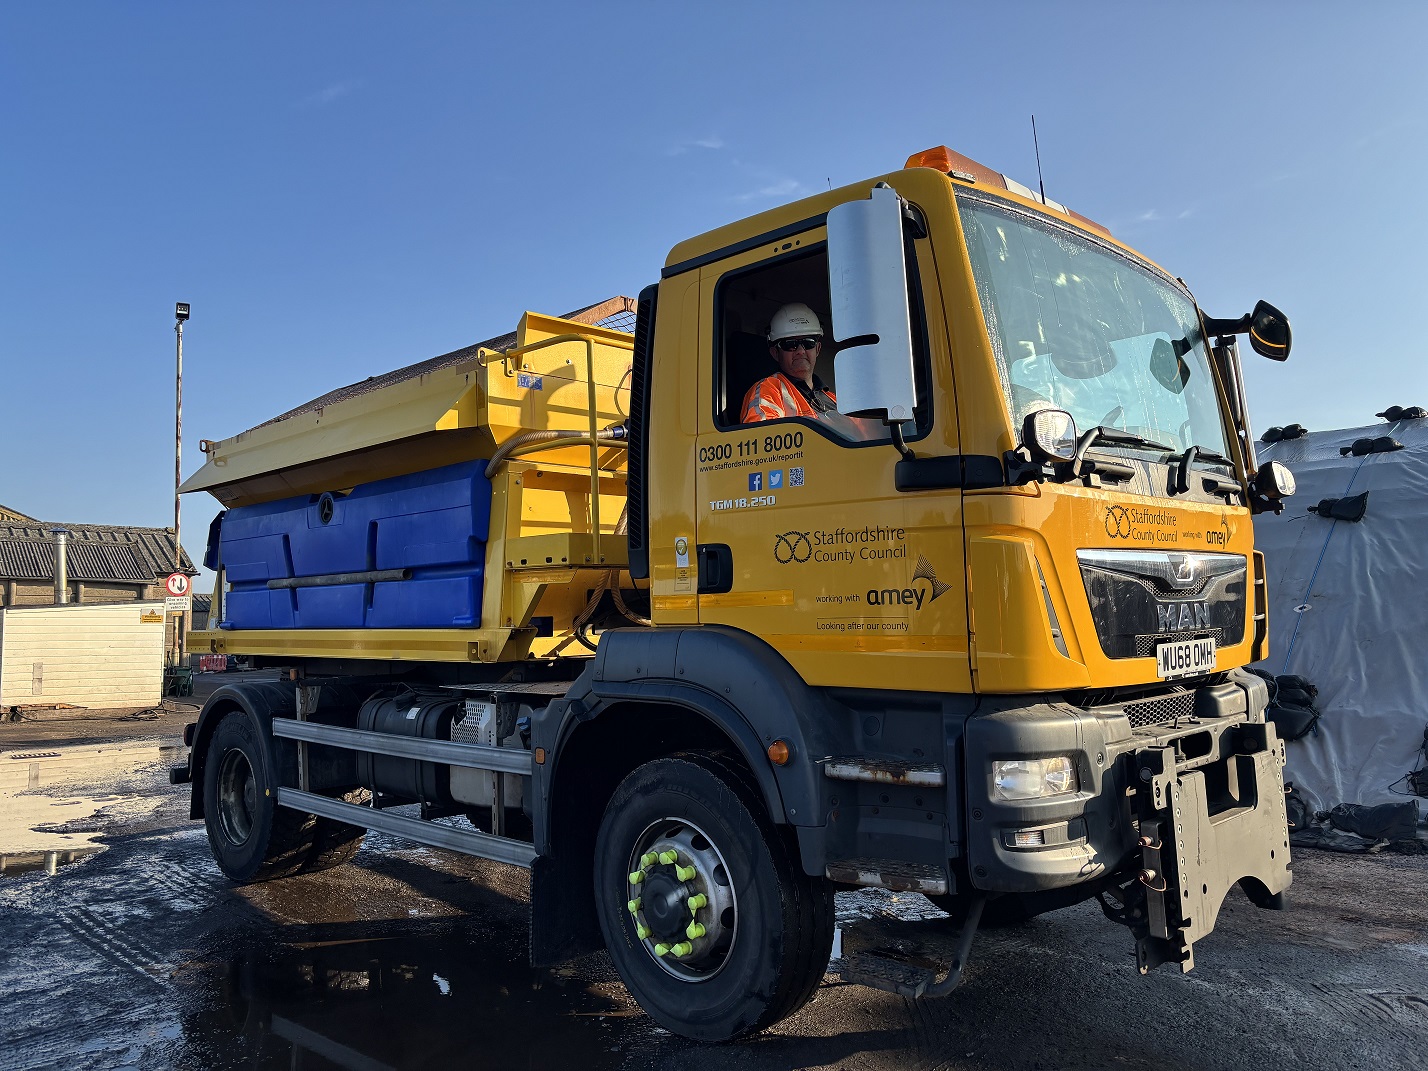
column 756, row 481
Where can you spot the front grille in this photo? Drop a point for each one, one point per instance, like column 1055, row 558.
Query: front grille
column 1161, row 709
column 1132, row 594
column 1145, row 645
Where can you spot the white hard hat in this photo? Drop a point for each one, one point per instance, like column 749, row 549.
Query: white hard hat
column 794, row 320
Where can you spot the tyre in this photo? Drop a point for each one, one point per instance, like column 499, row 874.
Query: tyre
column 251, row 837
column 334, row 842
column 710, row 920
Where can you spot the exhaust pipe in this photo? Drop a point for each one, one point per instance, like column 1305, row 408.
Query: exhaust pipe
column 61, row 565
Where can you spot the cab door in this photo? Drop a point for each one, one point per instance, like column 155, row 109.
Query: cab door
column 803, row 538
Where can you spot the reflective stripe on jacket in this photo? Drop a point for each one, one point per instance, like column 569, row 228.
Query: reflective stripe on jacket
column 775, row 397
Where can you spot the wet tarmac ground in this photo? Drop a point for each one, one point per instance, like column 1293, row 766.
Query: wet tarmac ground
column 143, row 956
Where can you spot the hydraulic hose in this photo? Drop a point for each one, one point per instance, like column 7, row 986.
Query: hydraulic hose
column 519, row 443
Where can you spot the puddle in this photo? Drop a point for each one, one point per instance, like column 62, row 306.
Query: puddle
column 15, row 863
column 429, row 995
column 861, row 904
column 34, row 822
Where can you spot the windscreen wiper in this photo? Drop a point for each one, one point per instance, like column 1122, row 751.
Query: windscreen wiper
column 1194, row 453
column 1104, row 434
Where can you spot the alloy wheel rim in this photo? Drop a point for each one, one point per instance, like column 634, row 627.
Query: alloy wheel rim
column 681, row 904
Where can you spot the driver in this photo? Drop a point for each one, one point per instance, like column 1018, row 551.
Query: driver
column 795, row 341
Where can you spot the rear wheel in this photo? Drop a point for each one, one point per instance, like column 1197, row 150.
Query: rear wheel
column 708, row 917
column 251, row 837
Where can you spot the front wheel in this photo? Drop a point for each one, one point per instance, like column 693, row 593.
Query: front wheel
column 713, row 926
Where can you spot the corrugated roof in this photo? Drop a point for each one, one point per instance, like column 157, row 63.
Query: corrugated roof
column 616, row 312
column 96, row 552
column 22, row 559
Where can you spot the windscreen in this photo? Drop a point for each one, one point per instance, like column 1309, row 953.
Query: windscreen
column 1077, row 326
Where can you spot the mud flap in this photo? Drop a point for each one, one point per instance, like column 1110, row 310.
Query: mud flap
column 1198, row 841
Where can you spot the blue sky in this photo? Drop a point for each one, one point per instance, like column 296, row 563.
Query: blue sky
column 340, row 189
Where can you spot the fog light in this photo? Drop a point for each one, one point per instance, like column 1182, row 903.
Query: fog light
column 1032, row 779
column 1029, row 838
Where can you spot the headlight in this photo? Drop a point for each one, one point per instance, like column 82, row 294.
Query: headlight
column 1033, row 779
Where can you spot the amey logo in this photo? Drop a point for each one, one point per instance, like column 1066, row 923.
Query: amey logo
column 911, row 596
column 1118, row 522
column 792, row 547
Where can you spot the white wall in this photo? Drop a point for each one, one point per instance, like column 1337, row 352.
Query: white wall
column 90, row 655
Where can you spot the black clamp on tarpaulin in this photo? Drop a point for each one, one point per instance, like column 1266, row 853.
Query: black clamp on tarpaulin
column 1289, row 431
column 1342, row 509
column 1384, row 444
column 1394, row 413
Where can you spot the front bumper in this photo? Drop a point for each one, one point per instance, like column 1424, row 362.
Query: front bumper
column 1171, row 815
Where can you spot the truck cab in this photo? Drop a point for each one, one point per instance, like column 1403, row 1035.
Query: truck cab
column 1036, row 586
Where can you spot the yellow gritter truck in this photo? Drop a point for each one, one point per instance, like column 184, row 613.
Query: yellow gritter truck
column 979, row 632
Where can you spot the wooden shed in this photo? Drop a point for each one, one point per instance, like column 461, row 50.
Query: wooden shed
column 89, row 655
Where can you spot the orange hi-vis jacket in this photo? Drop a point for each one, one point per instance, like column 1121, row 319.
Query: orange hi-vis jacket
column 775, row 396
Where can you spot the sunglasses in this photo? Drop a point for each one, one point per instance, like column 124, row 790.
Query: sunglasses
column 788, row 345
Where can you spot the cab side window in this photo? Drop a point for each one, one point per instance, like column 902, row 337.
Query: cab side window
column 745, row 304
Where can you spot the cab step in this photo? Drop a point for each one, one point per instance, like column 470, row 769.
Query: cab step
column 889, row 975
column 891, row 874
column 908, row 979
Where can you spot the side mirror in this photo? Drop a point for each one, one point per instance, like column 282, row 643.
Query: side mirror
column 1269, row 331
column 1050, row 434
column 1273, row 483
column 867, row 282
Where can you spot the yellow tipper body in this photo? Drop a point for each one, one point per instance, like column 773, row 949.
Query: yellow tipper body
column 547, row 546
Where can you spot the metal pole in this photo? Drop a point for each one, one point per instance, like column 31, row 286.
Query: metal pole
column 178, row 441
column 61, row 536
column 180, row 315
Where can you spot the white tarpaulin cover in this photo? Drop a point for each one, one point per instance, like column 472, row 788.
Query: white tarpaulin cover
column 1348, row 609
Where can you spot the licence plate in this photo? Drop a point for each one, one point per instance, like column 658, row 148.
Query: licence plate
column 1184, row 658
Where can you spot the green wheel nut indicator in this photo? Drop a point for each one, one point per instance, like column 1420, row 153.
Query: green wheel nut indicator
column 695, row 930
column 634, row 906
column 695, row 902
column 661, row 950
column 685, row 873
column 668, row 857
column 682, row 949
column 637, row 877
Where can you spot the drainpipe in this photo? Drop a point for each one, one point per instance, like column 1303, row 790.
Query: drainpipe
column 61, row 565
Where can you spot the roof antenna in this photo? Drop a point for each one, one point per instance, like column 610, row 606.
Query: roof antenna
column 829, row 180
column 1037, row 147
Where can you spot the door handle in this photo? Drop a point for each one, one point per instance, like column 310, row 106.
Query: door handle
column 716, row 568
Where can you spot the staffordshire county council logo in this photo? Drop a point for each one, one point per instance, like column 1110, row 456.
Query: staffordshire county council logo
column 1118, row 522
column 756, row 481
column 792, row 547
